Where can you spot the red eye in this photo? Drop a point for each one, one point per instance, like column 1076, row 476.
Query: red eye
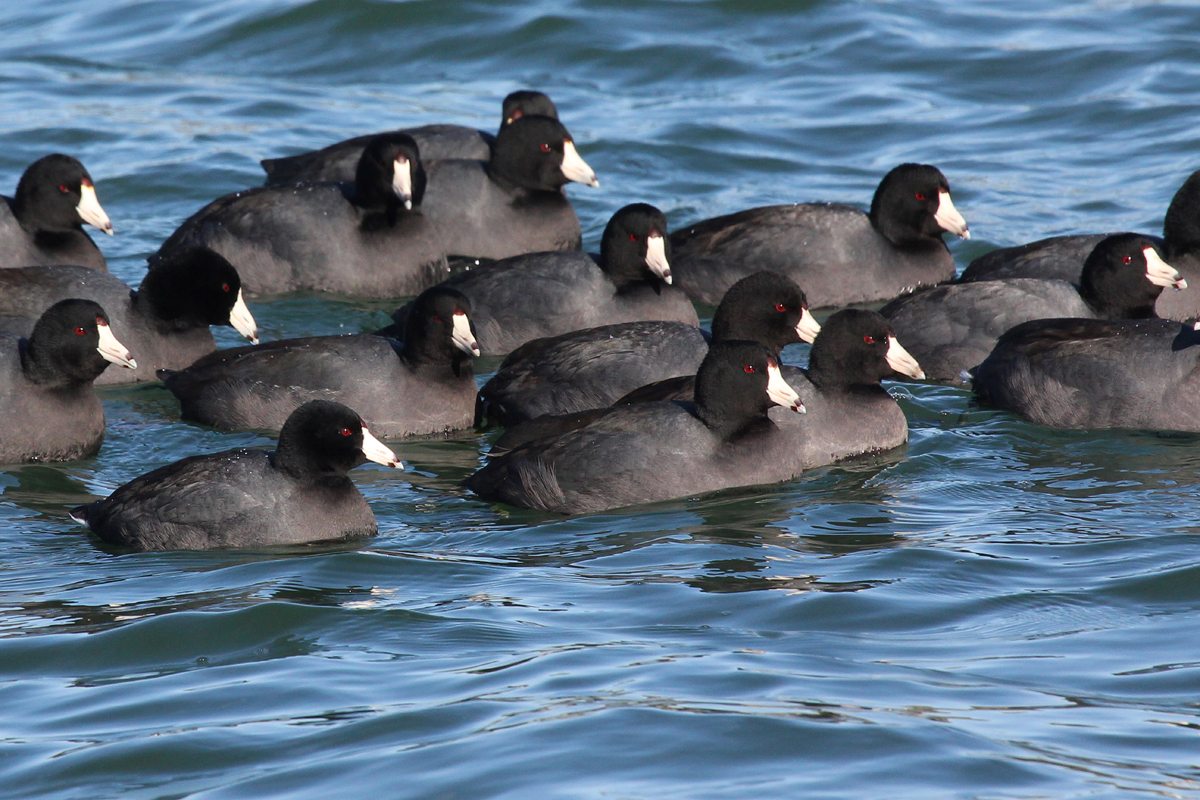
column 80, row 331
column 62, row 187
column 633, row 237
column 869, row 339
column 545, row 148
column 437, row 319
column 780, row 307
column 749, row 368
column 1127, row 259
column 346, row 432
column 920, row 196
column 224, row 287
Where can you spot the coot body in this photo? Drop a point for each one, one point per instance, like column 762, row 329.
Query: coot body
column 368, row 239
column 839, row 254
column 296, row 494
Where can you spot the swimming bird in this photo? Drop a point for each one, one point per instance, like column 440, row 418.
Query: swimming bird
column 513, row 202
column 657, row 451
column 295, row 494
column 839, row 254
column 545, row 294
column 1091, row 373
column 165, row 320
column 425, row 385
column 369, row 238
column 337, row 162
column 42, row 224
column 50, row 408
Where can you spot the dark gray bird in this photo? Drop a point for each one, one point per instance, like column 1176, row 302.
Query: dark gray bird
column 50, row 408
column 42, row 224
column 836, row 252
column 295, row 494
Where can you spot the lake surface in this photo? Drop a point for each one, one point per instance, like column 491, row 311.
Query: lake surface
column 995, row 611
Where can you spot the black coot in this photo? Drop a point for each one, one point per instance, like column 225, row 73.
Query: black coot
column 512, row 203
column 657, row 451
column 545, row 294
column 839, row 254
column 295, row 494
column 42, row 224
column 369, row 238
column 424, row 386
column 50, row 409
column 1088, row 373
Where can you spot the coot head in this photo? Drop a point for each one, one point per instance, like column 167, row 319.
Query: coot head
column 57, row 194
column 525, row 103
column 438, row 327
column 1124, row 275
column 635, row 247
column 737, row 384
column 913, row 204
column 192, row 287
column 765, row 307
column 323, row 438
column 858, row 348
column 389, row 173
column 538, row 153
column 72, row 343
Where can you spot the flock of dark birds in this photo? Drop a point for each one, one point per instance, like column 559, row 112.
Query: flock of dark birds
column 610, row 394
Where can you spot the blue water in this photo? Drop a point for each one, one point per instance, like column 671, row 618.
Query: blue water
column 996, row 611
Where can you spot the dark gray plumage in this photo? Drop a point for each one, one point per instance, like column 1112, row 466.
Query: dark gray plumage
column 546, row 294
column 49, row 406
column 337, row 162
column 1062, row 257
column 656, row 451
column 423, row 386
column 296, row 494
column 512, row 203
column 1081, row 373
column 356, row 239
column 836, row 252
column 952, row 328
column 42, row 224
column 165, row 321
column 594, row 367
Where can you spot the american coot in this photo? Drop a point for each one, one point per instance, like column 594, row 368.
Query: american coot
column 424, row 386
column 368, row 238
column 1062, row 257
column 836, row 252
column 165, row 321
column 1086, row 373
column 338, row 161
column 512, row 203
column 295, row 494
column 545, row 294
column 849, row 413
column 657, row 451
column 592, row 368
column 43, row 223
column 952, row 328
column 51, row 412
